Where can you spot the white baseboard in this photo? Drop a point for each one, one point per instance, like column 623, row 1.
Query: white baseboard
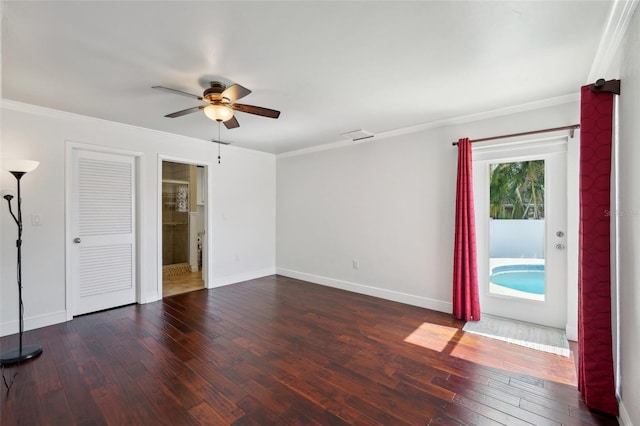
column 45, row 320
column 623, row 416
column 396, row 296
column 31, row 323
column 237, row 278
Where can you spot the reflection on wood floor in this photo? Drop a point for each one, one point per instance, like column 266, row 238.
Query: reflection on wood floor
column 278, row 351
column 182, row 283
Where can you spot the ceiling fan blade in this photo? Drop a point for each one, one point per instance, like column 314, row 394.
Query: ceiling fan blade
column 184, row 112
column 177, row 92
column 231, row 123
column 265, row 112
column 235, row 92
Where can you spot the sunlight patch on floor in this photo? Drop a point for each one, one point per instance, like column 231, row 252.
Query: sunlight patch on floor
column 432, row 336
column 477, row 349
column 493, row 353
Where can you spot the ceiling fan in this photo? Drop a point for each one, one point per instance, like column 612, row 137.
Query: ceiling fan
column 221, row 103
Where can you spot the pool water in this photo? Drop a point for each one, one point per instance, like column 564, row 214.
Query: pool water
column 525, row 278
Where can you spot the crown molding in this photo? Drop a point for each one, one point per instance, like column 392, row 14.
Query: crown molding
column 500, row 112
column 12, row 105
column 65, row 115
column 612, row 36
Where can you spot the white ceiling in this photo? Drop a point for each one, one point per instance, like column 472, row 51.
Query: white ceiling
column 329, row 66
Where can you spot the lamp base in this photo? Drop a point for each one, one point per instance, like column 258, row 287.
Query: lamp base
column 15, row 356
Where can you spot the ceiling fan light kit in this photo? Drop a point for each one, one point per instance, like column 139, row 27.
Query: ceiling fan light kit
column 218, row 112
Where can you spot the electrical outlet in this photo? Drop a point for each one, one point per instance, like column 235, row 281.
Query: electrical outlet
column 36, row 220
column 356, row 264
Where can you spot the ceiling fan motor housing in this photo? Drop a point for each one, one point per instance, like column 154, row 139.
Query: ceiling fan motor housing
column 214, row 93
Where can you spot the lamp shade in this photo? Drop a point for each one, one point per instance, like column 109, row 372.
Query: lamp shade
column 218, row 112
column 15, row 165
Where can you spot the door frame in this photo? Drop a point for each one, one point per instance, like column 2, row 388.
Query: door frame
column 70, row 147
column 207, row 258
column 483, row 152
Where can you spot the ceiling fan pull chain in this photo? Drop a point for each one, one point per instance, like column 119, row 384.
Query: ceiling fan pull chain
column 219, row 140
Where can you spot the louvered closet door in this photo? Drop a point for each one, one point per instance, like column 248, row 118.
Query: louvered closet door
column 103, row 231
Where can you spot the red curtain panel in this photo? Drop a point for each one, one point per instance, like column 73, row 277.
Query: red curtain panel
column 595, row 365
column 466, row 302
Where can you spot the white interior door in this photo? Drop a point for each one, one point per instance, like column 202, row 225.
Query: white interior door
column 522, row 264
column 103, row 229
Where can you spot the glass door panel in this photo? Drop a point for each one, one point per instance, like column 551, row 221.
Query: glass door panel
column 517, row 229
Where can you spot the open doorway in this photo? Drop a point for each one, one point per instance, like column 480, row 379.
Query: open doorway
column 183, row 227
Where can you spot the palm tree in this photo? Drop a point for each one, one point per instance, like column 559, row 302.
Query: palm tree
column 516, row 188
column 533, row 172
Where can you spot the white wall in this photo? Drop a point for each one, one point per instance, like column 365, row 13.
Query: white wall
column 528, row 244
column 629, row 223
column 242, row 238
column 387, row 204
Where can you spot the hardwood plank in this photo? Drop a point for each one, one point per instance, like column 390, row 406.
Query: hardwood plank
column 121, row 383
column 459, row 384
column 53, row 409
column 112, row 404
column 162, row 402
column 501, row 404
column 275, row 350
column 256, row 413
column 17, row 403
column 563, row 416
column 330, row 398
column 75, row 389
column 456, row 413
column 489, row 412
column 204, row 414
column 217, row 378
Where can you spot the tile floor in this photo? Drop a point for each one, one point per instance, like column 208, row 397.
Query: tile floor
column 182, row 283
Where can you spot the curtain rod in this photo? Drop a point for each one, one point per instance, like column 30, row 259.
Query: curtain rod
column 572, row 128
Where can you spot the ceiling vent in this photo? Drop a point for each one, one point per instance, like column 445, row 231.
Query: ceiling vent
column 357, row 135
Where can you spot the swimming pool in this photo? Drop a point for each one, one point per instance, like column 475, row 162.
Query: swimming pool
column 521, row 277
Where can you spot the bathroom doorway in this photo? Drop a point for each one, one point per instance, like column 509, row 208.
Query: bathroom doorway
column 183, row 227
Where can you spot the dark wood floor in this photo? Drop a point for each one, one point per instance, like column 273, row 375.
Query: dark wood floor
column 280, row 351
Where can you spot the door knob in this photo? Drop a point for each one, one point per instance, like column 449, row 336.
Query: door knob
column 77, row 240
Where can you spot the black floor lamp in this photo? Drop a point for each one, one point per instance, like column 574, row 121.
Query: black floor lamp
column 19, row 168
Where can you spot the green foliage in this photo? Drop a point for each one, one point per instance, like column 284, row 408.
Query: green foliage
column 517, row 190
